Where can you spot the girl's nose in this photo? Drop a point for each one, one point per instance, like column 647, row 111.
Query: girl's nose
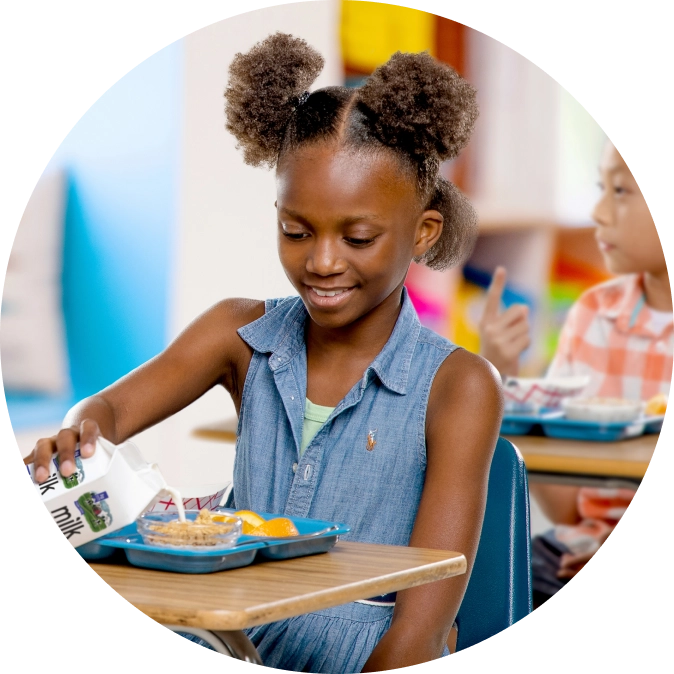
column 325, row 258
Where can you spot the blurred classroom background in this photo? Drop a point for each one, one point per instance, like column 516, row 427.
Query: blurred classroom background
column 146, row 216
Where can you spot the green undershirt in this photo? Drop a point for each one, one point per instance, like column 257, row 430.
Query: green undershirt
column 314, row 417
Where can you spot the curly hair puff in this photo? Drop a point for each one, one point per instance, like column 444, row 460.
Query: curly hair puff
column 419, row 109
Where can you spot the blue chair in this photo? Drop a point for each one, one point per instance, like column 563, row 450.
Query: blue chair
column 499, row 590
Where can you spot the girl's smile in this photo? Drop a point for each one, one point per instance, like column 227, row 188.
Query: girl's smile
column 328, row 297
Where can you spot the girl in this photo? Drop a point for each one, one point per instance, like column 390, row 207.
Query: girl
column 348, row 409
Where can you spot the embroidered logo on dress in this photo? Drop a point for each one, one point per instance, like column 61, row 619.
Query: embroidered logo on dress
column 371, row 442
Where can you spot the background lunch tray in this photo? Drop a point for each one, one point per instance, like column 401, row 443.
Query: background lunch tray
column 523, row 424
column 558, row 426
column 140, row 554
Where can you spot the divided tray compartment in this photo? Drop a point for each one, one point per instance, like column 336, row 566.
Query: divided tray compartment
column 246, row 552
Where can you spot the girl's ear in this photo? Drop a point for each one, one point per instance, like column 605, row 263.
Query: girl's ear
column 429, row 230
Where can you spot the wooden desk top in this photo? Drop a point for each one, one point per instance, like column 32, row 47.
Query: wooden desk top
column 224, row 431
column 263, row 593
column 625, row 458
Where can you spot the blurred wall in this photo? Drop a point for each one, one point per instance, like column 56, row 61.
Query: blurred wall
column 122, row 160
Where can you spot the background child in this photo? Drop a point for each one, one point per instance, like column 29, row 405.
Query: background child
column 359, row 196
column 619, row 333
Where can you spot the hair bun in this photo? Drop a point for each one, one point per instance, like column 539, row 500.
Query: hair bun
column 264, row 89
column 420, row 105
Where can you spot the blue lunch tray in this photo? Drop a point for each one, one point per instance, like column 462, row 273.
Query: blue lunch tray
column 571, row 429
column 556, row 425
column 140, row 554
column 522, row 423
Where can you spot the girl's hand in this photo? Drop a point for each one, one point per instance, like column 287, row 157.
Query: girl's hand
column 503, row 336
column 64, row 444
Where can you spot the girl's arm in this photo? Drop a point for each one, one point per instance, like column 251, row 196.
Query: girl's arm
column 462, row 427
column 208, row 352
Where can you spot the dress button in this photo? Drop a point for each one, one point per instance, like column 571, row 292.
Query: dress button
column 294, row 467
column 292, row 397
column 307, row 472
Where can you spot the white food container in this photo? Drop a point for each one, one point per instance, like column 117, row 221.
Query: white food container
column 107, row 492
column 602, row 410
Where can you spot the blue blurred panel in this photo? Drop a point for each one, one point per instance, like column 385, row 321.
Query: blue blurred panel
column 123, row 160
column 28, row 410
column 510, row 295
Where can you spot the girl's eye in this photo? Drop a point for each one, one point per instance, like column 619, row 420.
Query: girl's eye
column 295, row 236
column 358, row 242
column 619, row 190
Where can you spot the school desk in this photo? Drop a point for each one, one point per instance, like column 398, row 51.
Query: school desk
column 262, row 593
column 621, row 463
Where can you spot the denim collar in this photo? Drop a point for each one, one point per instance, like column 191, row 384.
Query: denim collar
column 280, row 332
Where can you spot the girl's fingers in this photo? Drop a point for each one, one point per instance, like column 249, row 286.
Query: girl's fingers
column 44, row 449
column 66, row 440
column 89, row 433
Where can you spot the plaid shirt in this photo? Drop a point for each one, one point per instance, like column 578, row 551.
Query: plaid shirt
column 609, row 336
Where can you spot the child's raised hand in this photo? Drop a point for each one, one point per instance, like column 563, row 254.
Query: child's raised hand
column 64, row 443
column 503, row 335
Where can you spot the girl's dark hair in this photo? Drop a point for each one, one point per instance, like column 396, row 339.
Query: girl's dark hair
column 415, row 106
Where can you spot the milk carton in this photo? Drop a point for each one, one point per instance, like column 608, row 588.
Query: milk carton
column 107, row 491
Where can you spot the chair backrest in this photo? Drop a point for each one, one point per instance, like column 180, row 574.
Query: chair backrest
column 499, row 590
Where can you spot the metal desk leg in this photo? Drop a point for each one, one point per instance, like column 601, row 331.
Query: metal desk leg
column 234, row 644
column 240, row 646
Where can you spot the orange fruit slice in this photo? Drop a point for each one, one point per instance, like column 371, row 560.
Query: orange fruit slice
column 657, row 405
column 222, row 518
column 250, row 519
column 279, row 527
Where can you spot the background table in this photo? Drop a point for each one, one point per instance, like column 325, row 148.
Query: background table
column 262, row 593
column 621, row 463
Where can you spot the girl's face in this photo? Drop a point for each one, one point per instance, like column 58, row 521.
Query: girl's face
column 349, row 225
column 625, row 231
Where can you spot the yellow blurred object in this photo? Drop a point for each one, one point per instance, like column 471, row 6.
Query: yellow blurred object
column 464, row 316
column 250, row 519
column 371, row 32
column 656, row 405
column 279, row 526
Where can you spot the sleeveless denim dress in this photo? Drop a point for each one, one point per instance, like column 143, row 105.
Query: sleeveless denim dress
column 365, row 466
